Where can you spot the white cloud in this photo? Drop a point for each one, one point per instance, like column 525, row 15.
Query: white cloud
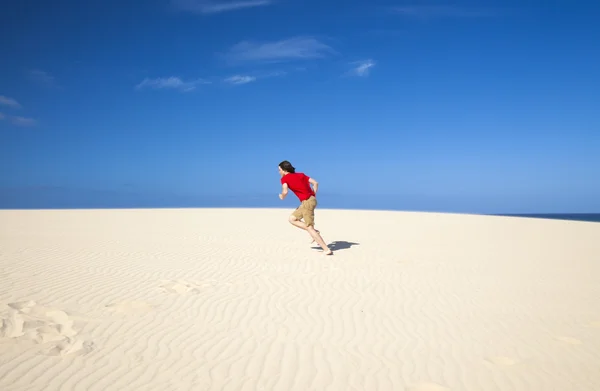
column 10, row 102
column 22, row 121
column 216, row 6
column 255, row 76
column 362, row 68
column 431, row 11
column 42, row 77
column 296, row 48
column 172, row 82
column 239, row 79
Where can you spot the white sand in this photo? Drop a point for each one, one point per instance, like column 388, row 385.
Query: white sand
column 239, row 300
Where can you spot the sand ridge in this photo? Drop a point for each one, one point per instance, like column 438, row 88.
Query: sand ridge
column 224, row 299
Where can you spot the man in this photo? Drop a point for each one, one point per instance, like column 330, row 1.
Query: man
column 300, row 184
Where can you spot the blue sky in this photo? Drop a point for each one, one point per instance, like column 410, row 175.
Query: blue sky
column 483, row 107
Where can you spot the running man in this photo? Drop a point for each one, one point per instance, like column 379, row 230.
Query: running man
column 300, row 185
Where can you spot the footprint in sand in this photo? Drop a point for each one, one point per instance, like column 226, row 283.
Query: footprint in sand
column 568, row 340
column 130, row 307
column 71, row 346
column 501, row 361
column 54, row 328
column 427, row 386
column 183, row 287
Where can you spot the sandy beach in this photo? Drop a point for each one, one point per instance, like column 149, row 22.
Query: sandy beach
column 225, row 299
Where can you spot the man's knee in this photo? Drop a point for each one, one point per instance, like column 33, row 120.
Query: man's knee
column 292, row 219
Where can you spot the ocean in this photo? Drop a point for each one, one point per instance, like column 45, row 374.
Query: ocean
column 589, row 217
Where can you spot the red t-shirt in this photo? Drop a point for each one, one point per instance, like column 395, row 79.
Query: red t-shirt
column 298, row 183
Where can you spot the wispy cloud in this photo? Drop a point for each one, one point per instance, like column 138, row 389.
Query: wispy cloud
column 254, row 76
column 217, row 6
column 296, row 48
column 23, row 121
column 441, row 11
column 10, row 102
column 15, row 120
column 42, row 77
column 362, row 68
column 239, row 79
column 172, row 82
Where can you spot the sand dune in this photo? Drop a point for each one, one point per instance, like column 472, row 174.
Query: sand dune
column 223, row 299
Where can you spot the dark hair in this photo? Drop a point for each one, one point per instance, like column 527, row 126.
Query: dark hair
column 287, row 166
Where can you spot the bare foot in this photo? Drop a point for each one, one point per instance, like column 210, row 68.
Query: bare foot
column 329, row 252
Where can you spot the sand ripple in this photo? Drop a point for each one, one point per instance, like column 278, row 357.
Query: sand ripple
column 239, row 300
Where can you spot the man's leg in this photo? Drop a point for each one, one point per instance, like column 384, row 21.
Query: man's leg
column 295, row 221
column 309, row 218
column 300, row 224
column 312, row 240
column 312, row 232
column 316, row 236
column 295, row 218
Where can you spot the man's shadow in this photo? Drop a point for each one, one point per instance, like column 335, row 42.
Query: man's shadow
column 339, row 245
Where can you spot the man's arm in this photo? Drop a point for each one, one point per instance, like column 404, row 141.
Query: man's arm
column 284, row 191
column 315, row 184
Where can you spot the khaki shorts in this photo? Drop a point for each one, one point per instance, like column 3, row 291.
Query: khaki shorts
column 306, row 211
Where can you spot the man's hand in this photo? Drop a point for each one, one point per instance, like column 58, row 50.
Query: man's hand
column 314, row 184
column 284, row 191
